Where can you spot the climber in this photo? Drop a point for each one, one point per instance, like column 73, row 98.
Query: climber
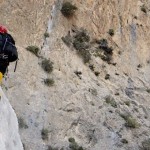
column 8, row 51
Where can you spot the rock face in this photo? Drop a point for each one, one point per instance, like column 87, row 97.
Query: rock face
column 103, row 104
column 9, row 136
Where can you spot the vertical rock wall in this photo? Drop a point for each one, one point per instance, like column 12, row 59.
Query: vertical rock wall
column 9, row 136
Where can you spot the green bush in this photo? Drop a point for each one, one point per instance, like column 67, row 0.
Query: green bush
column 127, row 103
column 111, row 32
column 124, row 141
column 49, row 82
column 73, row 145
column 46, row 34
column 130, row 121
column 103, row 44
column 68, row 9
column 110, row 100
column 93, row 92
column 71, row 140
column 106, row 58
column 81, row 40
column 47, row 65
column 81, row 44
column 107, row 51
column 33, row 49
column 82, row 36
column 44, row 134
column 78, row 45
column 67, row 40
column 22, row 123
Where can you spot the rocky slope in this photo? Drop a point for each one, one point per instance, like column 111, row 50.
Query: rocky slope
column 101, row 104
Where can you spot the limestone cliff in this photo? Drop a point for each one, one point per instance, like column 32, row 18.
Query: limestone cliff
column 9, row 136
column 103, row 105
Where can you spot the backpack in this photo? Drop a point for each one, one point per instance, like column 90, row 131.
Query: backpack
column 8, row 50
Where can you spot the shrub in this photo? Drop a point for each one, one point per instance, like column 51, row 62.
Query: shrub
column 108, row 50
column 127, row 103
column 73, row 145
column 80, row 148
column 148, row 61
column 67, row 40
column 103, row 44
column 107, row 76
column 143, row 8
column 85, row 54
column 148, row 90
column 52, row 148
column 117, row 93
column 111, row 32
column 33, row 49
column 104, row 51
column 139, row 66
column 106, row 57
column 46, row 34
column 78, row 45
column 68, row 9
column 47, row 65
column 81, row 40
column 78, row 73
column 49, row 82
column 82, row 36
column 146, row 144
column 110, row 100
column 94, row 92
column 97, row 73
column 22, row 123
column 130, row 121
column 71, row 140
column 124, row 141
column 91, row 66
column 44, row 134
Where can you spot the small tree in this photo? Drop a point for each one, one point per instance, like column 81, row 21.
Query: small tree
column 68, row 9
